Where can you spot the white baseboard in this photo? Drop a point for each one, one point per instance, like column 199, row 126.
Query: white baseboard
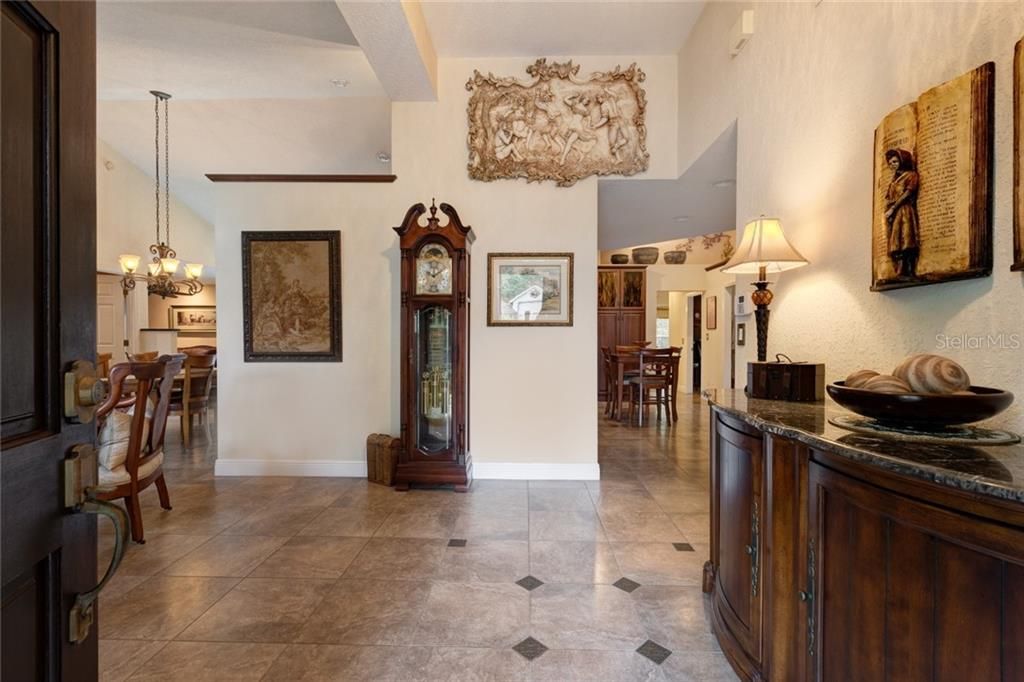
column 537, row 471
column 289, row 467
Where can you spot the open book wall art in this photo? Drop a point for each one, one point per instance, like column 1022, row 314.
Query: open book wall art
column 932, row 216
column 557, row 126
column 1018, row 158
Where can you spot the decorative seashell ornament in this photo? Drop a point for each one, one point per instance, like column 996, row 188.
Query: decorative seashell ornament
column 859, row 378
column 928, row 373
column 885, row 383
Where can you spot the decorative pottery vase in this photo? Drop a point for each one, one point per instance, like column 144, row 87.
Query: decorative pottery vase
column 619, row 259
column 645, row 255
column 675, row 257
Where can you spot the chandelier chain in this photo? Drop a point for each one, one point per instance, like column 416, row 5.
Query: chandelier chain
column 167, row 173
column 156, row 145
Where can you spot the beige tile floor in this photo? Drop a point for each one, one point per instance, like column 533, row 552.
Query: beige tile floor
column 340, row 579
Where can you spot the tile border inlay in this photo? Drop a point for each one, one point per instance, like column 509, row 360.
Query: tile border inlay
column 654, row 651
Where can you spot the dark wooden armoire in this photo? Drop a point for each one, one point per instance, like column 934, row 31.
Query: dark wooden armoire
column 621, row 311
column 435, row 349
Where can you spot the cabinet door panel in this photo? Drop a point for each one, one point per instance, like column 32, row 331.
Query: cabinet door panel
column 738, row 477
column 608, row 282
column 909, row 591
column 632, row 328
column 633, row 290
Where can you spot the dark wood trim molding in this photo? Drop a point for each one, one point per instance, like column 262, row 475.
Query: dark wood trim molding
column 244, row 177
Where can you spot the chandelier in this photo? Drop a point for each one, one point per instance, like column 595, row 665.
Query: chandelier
column 160, row 277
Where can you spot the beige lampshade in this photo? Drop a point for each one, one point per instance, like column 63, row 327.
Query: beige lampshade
column 763, row 245
column 129, row 263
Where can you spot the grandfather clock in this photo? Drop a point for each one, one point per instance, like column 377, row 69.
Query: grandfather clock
column 435, row 349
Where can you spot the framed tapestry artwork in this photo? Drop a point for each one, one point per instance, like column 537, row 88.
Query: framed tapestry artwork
column 557, row 126
column 932, row 214
column 192, row 318
column 291, row 296
column 712, row 312
column 1018, row 158
column 529, row 290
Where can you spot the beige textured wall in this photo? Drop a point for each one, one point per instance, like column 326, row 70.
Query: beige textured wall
column 808, row 91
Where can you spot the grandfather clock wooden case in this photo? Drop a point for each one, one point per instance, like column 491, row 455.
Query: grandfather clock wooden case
column 435, row 350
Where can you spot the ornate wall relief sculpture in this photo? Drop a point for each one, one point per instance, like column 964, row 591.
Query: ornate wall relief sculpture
column 557, row 127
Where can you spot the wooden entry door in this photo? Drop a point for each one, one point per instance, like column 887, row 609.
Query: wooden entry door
column 47, row 321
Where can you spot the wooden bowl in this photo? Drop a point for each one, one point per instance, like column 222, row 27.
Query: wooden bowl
column 922, row 410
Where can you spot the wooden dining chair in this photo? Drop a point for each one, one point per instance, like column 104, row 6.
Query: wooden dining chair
column 658, row 372
column 145, row 356
column 131, row 444
column 194, row 396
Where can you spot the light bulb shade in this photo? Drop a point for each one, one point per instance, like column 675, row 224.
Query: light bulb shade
column 763, row 246
column 193, row 270
column 169, row 265
column 129, row 263
column 154, row 269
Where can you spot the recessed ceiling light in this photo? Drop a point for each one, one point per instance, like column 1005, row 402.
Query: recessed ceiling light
column 340, row 82
column 723, row 183
column 681, row 218
column 383, row 157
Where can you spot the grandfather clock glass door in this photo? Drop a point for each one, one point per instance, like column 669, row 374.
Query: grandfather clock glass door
column 434, row 340
column 435, row 350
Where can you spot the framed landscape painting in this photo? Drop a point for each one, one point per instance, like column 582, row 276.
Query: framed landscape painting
column 291, row 296
column 529, row 290
column 192, row 318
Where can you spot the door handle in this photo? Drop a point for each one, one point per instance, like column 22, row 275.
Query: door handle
column 83, row 392
column 80, row 497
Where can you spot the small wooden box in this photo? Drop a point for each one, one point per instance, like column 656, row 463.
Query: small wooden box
column 381, row 458
column 794, row 381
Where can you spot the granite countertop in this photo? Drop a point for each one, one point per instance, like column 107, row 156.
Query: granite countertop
column 994, row 470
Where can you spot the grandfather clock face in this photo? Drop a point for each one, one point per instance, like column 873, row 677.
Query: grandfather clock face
column 433, row 270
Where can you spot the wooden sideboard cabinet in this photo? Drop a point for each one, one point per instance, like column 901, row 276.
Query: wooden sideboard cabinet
column 829, row 568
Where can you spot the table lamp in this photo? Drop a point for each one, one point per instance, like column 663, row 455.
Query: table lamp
column 763, row 249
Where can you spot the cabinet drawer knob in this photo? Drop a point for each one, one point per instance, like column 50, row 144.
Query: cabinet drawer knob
column 749, row 550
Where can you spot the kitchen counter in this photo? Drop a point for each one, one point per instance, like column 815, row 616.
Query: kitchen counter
column 994, row 470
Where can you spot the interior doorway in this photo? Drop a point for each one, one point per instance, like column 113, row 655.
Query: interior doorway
column 696, row 307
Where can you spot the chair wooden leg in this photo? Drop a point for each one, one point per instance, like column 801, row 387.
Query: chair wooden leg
column 186, row 427
column 135, row 516
column 161, row 489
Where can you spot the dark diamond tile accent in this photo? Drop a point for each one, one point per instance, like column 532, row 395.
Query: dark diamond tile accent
column 625, row 584
column 683, row 546
column 456, row 542
column 654, row 651
column 530, row 648
column 529, row 583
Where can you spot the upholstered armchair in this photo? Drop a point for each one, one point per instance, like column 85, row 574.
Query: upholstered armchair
column 131, row 441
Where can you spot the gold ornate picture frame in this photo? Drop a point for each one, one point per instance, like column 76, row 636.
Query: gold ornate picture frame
column 529, row 289
column 557, row 126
